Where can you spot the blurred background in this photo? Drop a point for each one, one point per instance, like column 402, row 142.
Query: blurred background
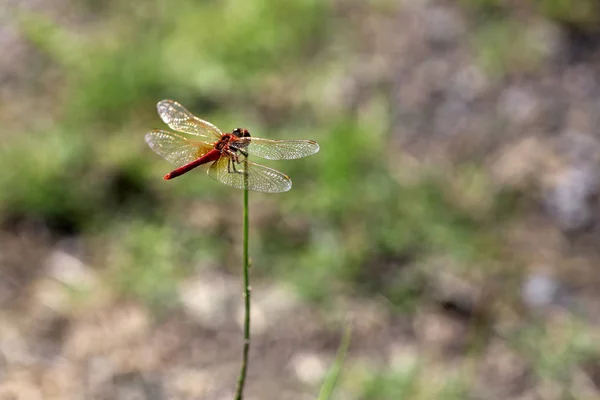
column 451, row 216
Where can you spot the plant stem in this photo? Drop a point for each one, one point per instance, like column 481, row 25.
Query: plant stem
column 239, row 394
column 335, row 370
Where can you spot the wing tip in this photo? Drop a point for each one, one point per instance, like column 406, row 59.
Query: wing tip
column 163, row 107
column 316, row 146
column 162, row 104
column 148, row 137
column 288, row 187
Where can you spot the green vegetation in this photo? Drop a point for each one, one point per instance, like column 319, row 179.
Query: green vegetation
column 583, row 13
column 148, row 263
column 504, row 36
column 505, row 46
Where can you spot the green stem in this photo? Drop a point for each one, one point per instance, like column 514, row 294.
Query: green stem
column 334, row 372
column 239, row 393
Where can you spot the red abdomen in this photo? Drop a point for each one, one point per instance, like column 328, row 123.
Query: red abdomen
column 212, row 155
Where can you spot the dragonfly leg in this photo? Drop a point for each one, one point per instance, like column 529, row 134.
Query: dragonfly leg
column 235, row 170
column 231, row 166
column 244, row 152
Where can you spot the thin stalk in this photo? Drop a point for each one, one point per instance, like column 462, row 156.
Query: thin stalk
column 334, row 372
column 239, row 393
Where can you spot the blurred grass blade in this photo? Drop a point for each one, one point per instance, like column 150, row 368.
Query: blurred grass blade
column 336, row 368
column 51, row 38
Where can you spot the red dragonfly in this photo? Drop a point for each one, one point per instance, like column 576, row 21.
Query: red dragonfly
column 229, row 151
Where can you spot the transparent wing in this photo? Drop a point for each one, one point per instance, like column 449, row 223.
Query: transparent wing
column 260, row 178
column 175, row 148
column 275, row 149
column 178, row 118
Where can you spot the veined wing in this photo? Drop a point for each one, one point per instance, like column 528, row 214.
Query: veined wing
column 175, row 148
column 260, row 178
column 275, row 149
column 178, row 118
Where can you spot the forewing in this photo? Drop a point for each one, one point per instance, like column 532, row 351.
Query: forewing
column 276, row 149
column 260, row 178
column 175, row 148
column 178, row 118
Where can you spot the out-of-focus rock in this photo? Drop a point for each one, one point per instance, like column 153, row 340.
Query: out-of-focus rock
column 70, row 271
column 469, row 83
column 451, row 117
column 439, row 333
column 591, row 368
column 131, row 386
column 310, row 368
column 519, row 104
column 568, row 193
column 545, row 38
column 191, row 383
column 20, row 384
column 539, row 290
column 578, row 147
column 568, row 200
column 548, row 389
column 210, row 299
column 271, row 305
column 442, row 24
column 403, row 356
column 503, row 373
column 579, row 81
column 13, row 346
column 584, row 386
column 103, row 332
column 450, row 288
column 61, row 381
column 523, row 164
column 367, row 317
column 48, row 296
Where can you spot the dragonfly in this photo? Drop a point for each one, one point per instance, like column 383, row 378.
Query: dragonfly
column 228, row 152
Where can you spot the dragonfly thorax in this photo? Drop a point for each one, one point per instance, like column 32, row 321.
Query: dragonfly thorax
column 223, row 143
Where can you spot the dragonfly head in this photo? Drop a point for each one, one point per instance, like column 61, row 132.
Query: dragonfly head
column 239, row 132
